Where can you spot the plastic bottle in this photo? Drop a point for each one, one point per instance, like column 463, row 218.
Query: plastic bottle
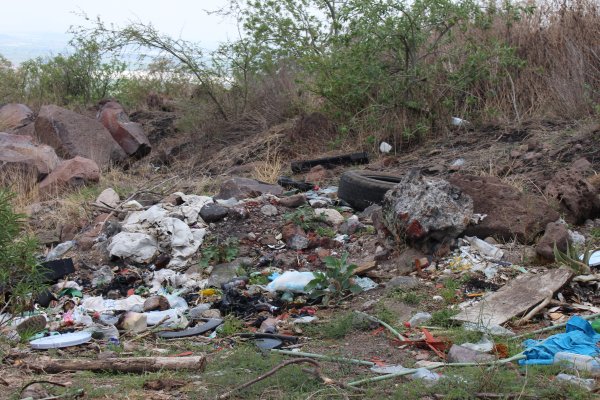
column 485, row 248
column 578, row 362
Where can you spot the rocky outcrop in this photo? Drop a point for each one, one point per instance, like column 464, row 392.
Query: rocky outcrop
column 21, row 153
column 510, row 213
column 129, row 135
column 75, row 172
column 426, row 212
column 72, row 135
column 242, row 188
column 576, row 196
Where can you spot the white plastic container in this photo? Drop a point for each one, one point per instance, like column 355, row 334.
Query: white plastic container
column 578, row 362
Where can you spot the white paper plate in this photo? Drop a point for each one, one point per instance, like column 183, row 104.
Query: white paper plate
column 58, row 341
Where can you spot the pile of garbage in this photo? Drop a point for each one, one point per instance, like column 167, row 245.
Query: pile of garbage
column 165, row 270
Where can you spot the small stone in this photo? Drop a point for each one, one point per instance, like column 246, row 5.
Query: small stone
column 269, row 210
column 460, row 354
column 213, row 212
column 211, row 313
column 332, row 216
column 402, row 282
column 251, row 236
column 293, row 201
column 319, row 202
column 156, row 303
column 239, row 212
column 196, row 312
column 298, row 242
column 108, row 198
column 437, row 298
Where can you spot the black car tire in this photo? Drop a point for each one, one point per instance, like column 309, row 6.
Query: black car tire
column 361, row 189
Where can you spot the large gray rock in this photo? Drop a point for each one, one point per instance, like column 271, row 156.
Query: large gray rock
column 243, row 188
column 73, row 134
column 130, row 135
column 20, row 154
column 426, row 212
column 510, row 213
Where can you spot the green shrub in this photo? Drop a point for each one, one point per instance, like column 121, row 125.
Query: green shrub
column 20, row 274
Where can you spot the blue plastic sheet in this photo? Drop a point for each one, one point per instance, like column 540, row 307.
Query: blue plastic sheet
column 579, row 338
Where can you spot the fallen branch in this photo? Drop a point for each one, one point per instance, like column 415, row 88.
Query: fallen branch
column 131, row 364
column 316, row 371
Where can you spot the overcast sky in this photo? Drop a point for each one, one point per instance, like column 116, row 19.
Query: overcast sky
column 181, row 18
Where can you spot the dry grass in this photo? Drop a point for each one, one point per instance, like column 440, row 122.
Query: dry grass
column 21, row 182
column 270, row 168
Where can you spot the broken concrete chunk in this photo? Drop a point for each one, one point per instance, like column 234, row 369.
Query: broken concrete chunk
column 426, row 212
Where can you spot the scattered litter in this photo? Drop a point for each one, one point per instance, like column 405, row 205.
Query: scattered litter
column 588, row 384
column 61, row 340
column 579, row 338
column 419, row 319
column 290, row 281
column 59, row 250
column 385, row 147
column 485, row 345
column 267, row 343
column 365, row 283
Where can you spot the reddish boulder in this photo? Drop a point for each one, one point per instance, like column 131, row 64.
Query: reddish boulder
column 129, row 135
column 73, row 134
column 576, row 196
column 75, row 172
column 20, row 153
column 510, row 213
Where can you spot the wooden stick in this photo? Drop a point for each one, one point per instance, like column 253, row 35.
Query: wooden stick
column 131, row 364
column 536, row 310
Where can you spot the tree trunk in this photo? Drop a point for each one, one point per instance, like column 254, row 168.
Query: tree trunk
column 131, row 364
